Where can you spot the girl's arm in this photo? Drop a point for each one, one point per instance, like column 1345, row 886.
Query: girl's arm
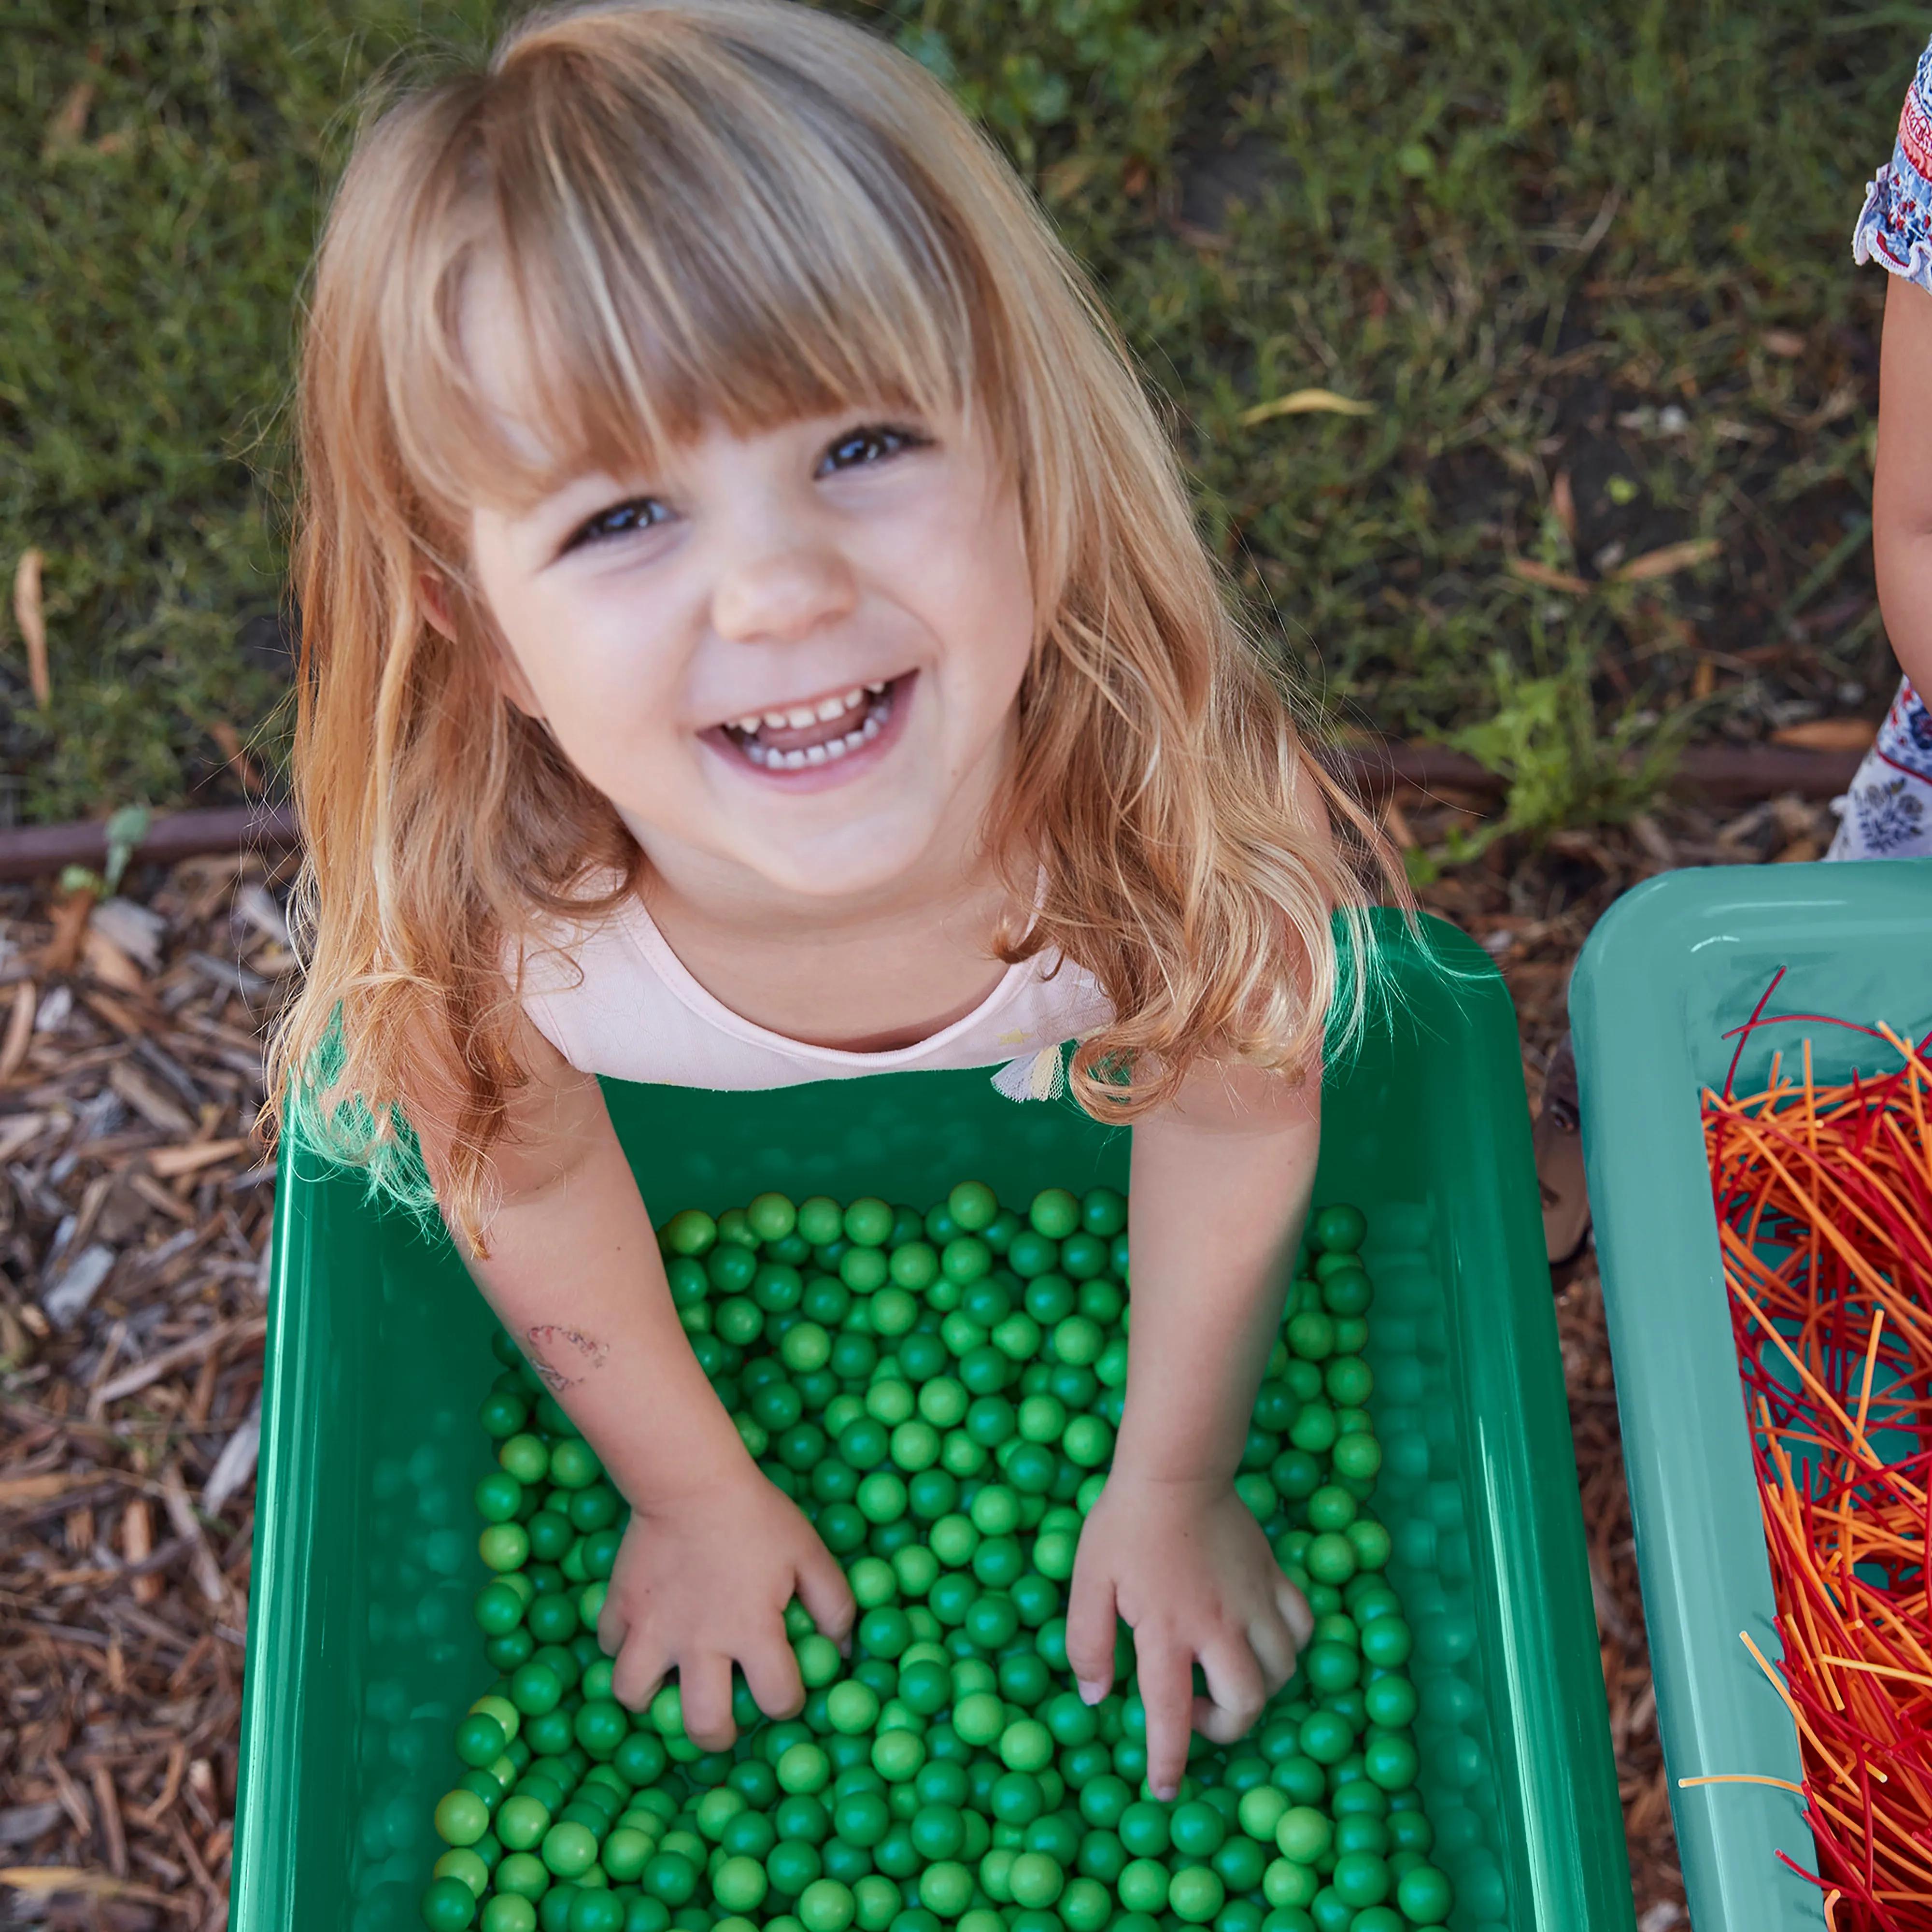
column 714, row 1551
column 1221, row 1185
column 1902, row 482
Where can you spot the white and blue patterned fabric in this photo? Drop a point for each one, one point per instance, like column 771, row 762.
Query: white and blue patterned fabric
column 1887, row 813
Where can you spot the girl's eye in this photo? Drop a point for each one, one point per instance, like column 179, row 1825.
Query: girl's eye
column 640, row 513
column 869, row 443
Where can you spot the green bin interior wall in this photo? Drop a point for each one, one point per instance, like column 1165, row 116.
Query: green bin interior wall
column 362, row 1652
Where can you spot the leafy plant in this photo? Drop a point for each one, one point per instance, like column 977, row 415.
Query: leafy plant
column 1563, row 769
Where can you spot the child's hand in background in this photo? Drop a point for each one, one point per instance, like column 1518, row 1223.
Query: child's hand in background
column 700, row 1583
column 1186, row 1565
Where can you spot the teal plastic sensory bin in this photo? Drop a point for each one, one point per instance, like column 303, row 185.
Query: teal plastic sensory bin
column 364, row 1650
column 1675, row 967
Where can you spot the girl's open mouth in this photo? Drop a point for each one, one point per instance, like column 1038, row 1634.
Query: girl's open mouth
column 815, row 738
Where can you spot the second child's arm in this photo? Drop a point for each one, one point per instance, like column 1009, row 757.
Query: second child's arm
column 714, row 1551
column 1902, row 484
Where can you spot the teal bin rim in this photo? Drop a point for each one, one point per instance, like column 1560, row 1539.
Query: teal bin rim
column 1565, row 1850
column 1675, row 964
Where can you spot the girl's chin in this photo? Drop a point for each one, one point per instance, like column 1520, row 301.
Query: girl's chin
column 842, row 869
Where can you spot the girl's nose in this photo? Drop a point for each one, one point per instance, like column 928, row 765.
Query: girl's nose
column 780, row 595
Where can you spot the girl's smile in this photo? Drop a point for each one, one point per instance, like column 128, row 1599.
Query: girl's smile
column 818, row 744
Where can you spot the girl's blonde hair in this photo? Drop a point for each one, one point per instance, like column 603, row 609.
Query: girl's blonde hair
column 747, row 211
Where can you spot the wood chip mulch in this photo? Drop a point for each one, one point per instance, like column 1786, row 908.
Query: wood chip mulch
column 134, row 1215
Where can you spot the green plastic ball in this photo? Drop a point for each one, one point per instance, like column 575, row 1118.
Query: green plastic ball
column 1054, row 1213
column 569, row 1849
column 669, row 1876
column 448, row 1906
column 1391, row 1762
column 1143, row 1886
column 1360, row 1878
column 739, row 1884
column 1338, row 1229
column 1195, row 1894
column 1289, row 1885
column 1035, row 1880
column 1425, row 1895
column 462, row 1818
column 1197, row 1830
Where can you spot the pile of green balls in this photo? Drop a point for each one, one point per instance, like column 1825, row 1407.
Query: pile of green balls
column 939, row 1392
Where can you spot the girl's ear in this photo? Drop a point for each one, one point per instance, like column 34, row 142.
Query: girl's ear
column 434, row 591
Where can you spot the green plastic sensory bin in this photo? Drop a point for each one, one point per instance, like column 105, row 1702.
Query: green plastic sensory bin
column 1673, row 970
column 405, row 1447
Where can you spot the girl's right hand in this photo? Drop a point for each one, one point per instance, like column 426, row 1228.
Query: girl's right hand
column 701, row 1582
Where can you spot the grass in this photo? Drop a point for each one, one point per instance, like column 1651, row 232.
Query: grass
column 1589, row 267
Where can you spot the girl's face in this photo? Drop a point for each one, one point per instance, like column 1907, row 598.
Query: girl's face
column 790, row 659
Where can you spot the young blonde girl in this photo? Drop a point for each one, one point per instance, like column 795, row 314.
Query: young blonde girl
column 754, row 632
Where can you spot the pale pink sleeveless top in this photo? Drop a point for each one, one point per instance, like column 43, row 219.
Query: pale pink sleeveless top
column 636, row 1014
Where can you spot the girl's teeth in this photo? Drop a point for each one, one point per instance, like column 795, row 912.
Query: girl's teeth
column 829, row 753
column 800, row 715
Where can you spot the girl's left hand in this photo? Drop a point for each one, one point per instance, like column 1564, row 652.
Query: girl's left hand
column 1186, row 1565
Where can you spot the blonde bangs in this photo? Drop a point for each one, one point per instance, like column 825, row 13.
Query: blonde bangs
column 808, row 268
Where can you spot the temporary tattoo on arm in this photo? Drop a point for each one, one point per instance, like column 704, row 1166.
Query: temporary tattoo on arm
column 556, row 1340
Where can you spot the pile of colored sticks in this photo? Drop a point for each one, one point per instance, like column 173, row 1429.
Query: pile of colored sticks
column 1824, row 1201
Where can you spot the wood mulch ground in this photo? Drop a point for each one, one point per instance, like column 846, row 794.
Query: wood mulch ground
column 133, row 1220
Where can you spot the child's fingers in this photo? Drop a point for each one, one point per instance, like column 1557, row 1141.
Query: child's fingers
column 1236, row 1691
column 1091, row 1615
column 613, row 1626
column 1275, row 1650
column 704, row 1684
column 1294, row 1608
column 639, row 1670
column 823, row 1591
column 771, row 1675
column 1165, row 1672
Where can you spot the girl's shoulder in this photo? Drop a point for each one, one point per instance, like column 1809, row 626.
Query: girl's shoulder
column 1895, row 227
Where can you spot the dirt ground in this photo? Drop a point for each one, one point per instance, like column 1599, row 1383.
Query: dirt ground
column 134, row 1212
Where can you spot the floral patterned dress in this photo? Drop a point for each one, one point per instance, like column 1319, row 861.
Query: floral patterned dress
column 1887, row 812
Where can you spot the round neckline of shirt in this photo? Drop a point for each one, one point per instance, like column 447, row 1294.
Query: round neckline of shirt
column 693, row 995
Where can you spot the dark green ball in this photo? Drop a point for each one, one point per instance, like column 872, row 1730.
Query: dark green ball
column 448, row 1906
column 1339, row 1229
